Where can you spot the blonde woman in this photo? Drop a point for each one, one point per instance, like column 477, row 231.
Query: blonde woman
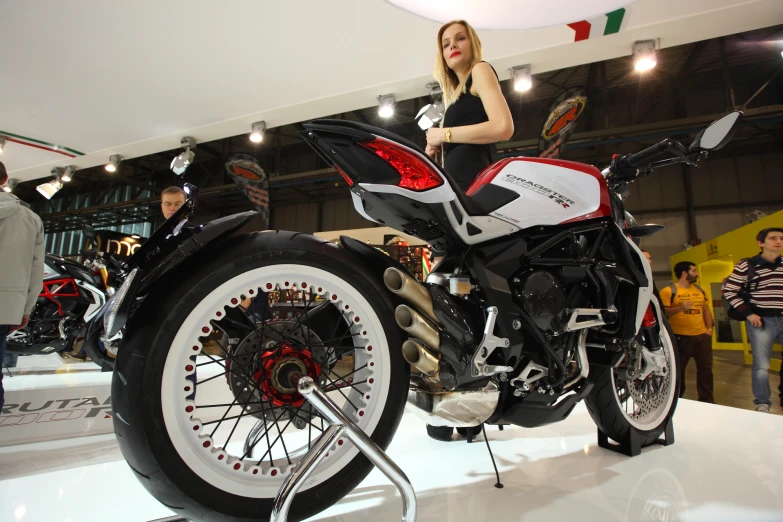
column 476, row 111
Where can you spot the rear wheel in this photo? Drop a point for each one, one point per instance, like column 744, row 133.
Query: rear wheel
column 217, row 424
column 643, row 402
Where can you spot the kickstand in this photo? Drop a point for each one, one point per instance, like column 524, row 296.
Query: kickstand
column 339, row 426
column 498, row 484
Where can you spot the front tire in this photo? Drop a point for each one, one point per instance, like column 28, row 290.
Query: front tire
column 619, row 405
column 183, row 443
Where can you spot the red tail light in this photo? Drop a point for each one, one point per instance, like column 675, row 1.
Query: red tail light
column 649, row 318
column 415, row 173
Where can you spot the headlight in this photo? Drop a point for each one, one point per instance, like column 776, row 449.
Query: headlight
column 115, row 303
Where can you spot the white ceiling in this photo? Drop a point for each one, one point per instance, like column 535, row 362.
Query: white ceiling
column 131, row 78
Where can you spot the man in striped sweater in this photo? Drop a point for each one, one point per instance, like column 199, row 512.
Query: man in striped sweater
column 763, row 309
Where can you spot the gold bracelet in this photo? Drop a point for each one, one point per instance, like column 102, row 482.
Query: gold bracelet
column 448, row 135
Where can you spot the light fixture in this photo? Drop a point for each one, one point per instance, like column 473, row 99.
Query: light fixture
column 257, row 131
column 521, row 78
column 185, row 158
column 386, row 105
column 644, row 55
column 505, row 14
column 2, row 144
column 10, row 185
column 781, row 55
column 431, row 113
column 135, row 236
column 50, row 188
column 68, row 173
column 114, row 163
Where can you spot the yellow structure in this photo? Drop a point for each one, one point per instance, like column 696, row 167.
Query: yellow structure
column 715, row 260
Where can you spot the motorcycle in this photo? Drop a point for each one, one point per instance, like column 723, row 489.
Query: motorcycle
column 542, row 299
column 71, row 296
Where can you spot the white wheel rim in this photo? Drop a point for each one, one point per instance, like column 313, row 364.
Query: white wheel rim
column 633, row 412
column 223, row 467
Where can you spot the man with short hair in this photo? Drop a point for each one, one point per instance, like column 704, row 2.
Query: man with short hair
column 170, row 200
column 760, row 300
column 691, row 321
column 21, row 265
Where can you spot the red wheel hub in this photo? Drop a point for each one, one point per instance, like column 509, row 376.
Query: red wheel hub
column 275, row 372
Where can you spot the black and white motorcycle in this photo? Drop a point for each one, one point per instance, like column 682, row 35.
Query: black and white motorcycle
column 542, row 300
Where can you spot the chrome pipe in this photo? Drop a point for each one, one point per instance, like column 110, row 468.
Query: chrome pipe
column 340, row 425
column 417, row 326
column 402, row 284
column 416, row 354
column 581, row 360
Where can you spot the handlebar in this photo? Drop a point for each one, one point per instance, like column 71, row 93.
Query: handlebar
column 628, row 167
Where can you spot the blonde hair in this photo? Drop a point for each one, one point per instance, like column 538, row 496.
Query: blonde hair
column 449, row 82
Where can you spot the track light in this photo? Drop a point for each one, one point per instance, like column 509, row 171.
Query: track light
column 386, row 105
column 644, row 55
column 51, row 188
column 10, row 185
column 185, row 158
column 521, row 78
column 2, row 144
column 257, row 131
column 431, row 113
column 114, row 163
column 68, row 174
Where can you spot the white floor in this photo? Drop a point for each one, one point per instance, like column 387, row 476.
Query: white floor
column 726, row 465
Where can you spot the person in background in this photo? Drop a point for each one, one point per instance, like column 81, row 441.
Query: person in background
column 691, row 321
column 762, row 305
column 648, row 257
column 21, row 265
column 170, row 200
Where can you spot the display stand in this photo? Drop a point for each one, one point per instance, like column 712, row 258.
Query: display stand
column 339, row 426
column 632, row 445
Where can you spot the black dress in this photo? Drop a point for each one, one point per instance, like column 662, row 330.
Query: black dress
column 465, row 160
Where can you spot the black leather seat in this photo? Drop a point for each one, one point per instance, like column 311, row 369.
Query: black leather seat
column 486, row 200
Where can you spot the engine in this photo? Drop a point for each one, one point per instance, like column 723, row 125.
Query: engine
column 543, row 296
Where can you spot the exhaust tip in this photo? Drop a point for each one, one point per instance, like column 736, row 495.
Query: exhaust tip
column 393, row 279
column 404, row 317
column 410, row 352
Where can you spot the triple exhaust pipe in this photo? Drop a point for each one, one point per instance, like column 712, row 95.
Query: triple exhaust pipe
column 420, row 322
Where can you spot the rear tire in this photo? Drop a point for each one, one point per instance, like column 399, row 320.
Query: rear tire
column 162, row 443
column 604, row 401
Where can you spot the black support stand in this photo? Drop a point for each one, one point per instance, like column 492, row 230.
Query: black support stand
column 632, row 446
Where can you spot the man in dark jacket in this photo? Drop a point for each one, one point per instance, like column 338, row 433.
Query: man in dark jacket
column 763, row 309
column 21, row 265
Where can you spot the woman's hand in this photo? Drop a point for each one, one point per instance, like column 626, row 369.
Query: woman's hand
column 436, row 136
column 431, row 151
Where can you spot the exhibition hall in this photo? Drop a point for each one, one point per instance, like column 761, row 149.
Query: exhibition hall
column 391, row 260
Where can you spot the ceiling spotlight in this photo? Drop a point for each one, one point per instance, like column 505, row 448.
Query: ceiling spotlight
column 135, row 236
column 67, row 174
column 386, row 105
column 114, row 163
column 2, row 144
column 644, row 55
column 429, row 115
column 257, row 131
column 185, row 158
column 49, row 189
column 10, row 185
column 521, row 78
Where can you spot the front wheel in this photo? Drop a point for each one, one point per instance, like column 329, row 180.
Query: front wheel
column 206, row 412
column 620, row 402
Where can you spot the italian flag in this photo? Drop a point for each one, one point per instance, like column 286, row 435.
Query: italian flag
column 609, row 23
column 426, row 266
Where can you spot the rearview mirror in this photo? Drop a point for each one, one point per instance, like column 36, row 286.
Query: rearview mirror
column 719, row 133
column 89, row 232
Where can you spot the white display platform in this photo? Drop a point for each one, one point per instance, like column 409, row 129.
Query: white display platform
column 725, row 466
